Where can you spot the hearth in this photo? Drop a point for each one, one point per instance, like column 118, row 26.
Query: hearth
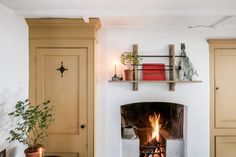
column 157, row 127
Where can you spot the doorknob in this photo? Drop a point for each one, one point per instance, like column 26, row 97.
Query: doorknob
column 82, row 126
column 217, row 88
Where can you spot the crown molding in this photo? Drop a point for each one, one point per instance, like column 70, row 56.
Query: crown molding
column 92, row 22
column 221, row 41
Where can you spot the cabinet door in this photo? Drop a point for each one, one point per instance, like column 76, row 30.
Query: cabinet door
column 226, row 146
column 225, row 76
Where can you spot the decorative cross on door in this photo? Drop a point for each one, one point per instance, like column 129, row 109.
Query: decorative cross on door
column 62, row 69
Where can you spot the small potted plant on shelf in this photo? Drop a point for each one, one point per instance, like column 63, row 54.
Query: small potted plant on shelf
column 34, row 120
column 130, row 60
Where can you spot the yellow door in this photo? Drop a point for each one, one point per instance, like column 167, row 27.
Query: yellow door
column 223, row 97
column 225, row 88
column 225, row 102
column 61, row 77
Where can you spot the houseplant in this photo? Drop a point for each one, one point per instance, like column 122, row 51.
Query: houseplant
column 34, row 120
column 129, row 59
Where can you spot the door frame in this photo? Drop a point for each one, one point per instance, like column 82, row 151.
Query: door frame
column 66, row 33
column 216, row 44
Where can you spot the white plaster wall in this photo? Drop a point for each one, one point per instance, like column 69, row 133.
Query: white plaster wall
column 110, row 96
column 111, row 43
column 13, row 72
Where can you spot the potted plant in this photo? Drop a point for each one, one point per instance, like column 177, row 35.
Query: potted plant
column 129, row 59
column 34, row 120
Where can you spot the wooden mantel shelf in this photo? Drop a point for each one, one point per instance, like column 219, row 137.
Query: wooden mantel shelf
column 149, row 81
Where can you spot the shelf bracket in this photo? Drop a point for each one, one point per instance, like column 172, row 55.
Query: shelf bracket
column 135, row 68
column 172, row 66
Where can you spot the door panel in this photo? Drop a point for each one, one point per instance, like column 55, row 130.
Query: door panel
column 67, row 92
column 225, row 76
column 225, row 146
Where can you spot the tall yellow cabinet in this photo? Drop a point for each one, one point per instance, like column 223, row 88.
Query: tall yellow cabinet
column 62, row 70
column 223, row 97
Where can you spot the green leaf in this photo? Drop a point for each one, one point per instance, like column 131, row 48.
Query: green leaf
column 34, row 122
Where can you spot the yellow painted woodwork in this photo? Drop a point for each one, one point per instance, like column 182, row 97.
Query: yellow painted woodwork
column 222, row 97
column 225, row 146
column 72, row 42
column 225, row 86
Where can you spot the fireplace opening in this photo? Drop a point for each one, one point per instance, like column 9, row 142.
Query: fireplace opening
column 157, row 125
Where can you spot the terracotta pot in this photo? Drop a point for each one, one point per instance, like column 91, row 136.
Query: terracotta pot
column 39, row 153
column 35, row 154
column 128, row 75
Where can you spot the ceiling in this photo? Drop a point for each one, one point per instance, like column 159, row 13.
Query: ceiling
column 132, row 13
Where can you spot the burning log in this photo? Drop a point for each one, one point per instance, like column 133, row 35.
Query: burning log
column 153, row 142
column 165, row 134
column 153, row 149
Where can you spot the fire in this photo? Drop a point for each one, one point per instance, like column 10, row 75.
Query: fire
column 154, row 121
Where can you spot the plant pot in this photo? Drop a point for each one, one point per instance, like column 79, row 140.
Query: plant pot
column 39, row 152
column 128, row 75
column 35, row 154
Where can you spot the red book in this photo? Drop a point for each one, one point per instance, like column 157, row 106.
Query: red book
column 154, row 71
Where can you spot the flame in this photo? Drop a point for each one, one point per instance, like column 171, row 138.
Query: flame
column 154, row 121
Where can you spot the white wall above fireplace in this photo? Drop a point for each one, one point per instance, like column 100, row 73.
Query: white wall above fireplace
column 110, row 96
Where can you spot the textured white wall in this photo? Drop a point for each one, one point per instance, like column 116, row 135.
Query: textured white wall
column 13, row 72
column 111, row 43
column 110, row 96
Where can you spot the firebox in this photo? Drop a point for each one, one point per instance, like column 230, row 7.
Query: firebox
column 152, row 129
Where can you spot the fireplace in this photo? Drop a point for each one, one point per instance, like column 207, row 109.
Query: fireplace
column 155, row 128
column 3, row 153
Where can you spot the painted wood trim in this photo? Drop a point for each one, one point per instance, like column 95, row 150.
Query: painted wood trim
column 212, row 102
column 66, row 41
column 62, row 29
column 221, row 41
column 45, row 22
